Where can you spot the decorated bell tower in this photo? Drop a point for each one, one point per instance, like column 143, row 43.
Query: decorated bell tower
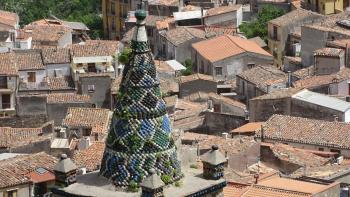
column 140, row 132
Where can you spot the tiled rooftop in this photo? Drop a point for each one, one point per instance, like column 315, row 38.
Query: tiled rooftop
column 249, row 127
column 7, row 64
column 60, row 83
column 319, row 80
column 222, row 10
column 164, row 2
column 196, row 76
column 307, row 131
column 95, row 118
column 29, row 60
column 330, row 52
column 180, row 35
column 68, row 98
column 292, row 16
column 56, row 56
column 14, row 170
column 263, row 76
column 94, row 48
column 257, row 190
column 91, row 157
column 228, row 46
column 8, row 18
column 304, row 72
column 47, row 34
column 13, row 137
column 329, row 24
column 281, row 93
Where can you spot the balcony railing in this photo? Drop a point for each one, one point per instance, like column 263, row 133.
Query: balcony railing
column 33, row 86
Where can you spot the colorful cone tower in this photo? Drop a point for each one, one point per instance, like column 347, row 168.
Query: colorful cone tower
column 140, row 133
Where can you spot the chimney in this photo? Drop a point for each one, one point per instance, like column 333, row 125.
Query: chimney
column 225, row 135
column 84, row 143
column 289, row 79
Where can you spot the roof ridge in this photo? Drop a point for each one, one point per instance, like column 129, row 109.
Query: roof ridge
column 230, row 37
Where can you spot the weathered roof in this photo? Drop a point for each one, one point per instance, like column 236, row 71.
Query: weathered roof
column 75, row 25
column 222, row 10
column 294, row 15
column 61, row 83
column 330, row 52
column 225, row 46
column 14, row 170
column 249, row 127
column 322, row 100
column 227, row 100
column 68, row 98
column 29, row 60
column 8, row 18
column 188, row 15
column 13, row 137
column 56, row 55
column 95, row 118
column 175, row 65
column 211, row 31
column 259, row 41
column 65, row 165
column 263, row 76
column 94, row 48
column 7, row 64
column 91, row 157
column 163, row 2
column 280, row 93
column 214, row 156
column 48, row 34
column 180, row 35
column 257, row 190
column 197, row 76
column 307, row 131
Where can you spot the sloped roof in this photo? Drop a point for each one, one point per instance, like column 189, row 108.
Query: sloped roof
column 65, row 165
column 56, row 55
column 213, row 157
column 196, row 76
column 8, row 65
column 14, row 170
column 94, row 48
column 8, row 18
column 29, row 60
column 153, row 181
column 307, row 131
column 68, row 98
column 294, row 15
column 181, row 35
column 225, row 46
column 222, row 10
column 95, row 118
column 91, row 157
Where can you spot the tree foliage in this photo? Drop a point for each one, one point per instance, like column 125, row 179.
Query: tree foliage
column 258, row 26
column 85, row 11
column 188, row 65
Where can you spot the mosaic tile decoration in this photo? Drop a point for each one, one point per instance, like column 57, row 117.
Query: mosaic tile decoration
column 140, row 132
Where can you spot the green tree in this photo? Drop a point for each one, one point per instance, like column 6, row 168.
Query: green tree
column 188, row 65
column 258, row 26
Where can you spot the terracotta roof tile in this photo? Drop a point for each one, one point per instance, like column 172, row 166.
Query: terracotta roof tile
column 319, row 80
column 8, row 18
column 263, row 76
column 222, row 10
column 14, row 170
column 294, row 15
column 45, row 33
column 95, row 118
column 196, row 76
column 91, row 157
column 180, row 35
column 29, row 60
column 281, row 93
column 249, row 127
column 60, row 83
column 94, row 48
column 330, row 52
column 7, row 64
column 307, row 131
column 13, row 137
column 41, row 175
column 217, row 31
column 329, row 24
column 228, row 46
column 163, row 2
column 68, row 98
column 56, row 55
column 257, row 190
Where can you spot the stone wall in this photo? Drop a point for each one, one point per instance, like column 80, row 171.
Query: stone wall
column 101, row 96
column 23, row 121
column 31, row 105
column 194, row 86
column 58, row 111
column 217, row 123
column 263, row 109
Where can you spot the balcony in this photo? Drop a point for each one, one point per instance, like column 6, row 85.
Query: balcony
column 33, row 86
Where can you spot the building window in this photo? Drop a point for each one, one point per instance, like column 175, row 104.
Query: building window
column 113, row 7
column 79, row 65
column 149, row 32
column 92, row 67
column 3, row 82
column 113, row 24
column 12, row 193
column 91, row 88
column 218, row 70
column 31, row 77
column 321, row 149
column 335, row 151
column 323, row 7
column 6, row 101
column 274, row 35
